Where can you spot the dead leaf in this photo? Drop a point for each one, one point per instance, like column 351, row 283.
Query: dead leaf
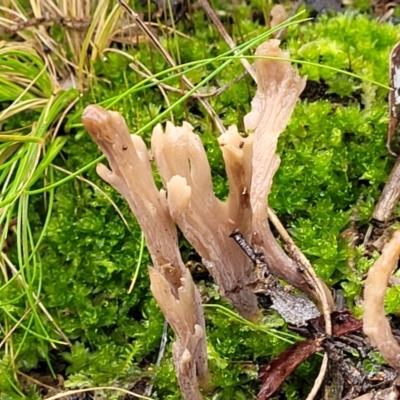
column 273, row 374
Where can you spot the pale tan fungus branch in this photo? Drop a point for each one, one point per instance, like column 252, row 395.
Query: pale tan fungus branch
column 279, row 87
column 203, row 218
column 132, row 177
column 375, row 324
column 179, row 314
column 278, row 15
column 237, row 152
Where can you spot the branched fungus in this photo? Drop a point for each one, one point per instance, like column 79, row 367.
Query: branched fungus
column 190, row 202
column 251, row 163
column 205, row 220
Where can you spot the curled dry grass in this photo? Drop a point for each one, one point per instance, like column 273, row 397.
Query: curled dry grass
column 40, row 74
column 81, row 31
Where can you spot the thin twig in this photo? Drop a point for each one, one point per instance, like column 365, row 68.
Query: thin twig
column 309, row 273
column 214, row 93
column 10, row 332
column 368, row 234
column 171, row 62
column 320, row 378
column 394, row 104
column 163, row 345
column 389, row 198
column 62, row 116
column 312, row 278
column 162, row 27
column 225, row 35
column 37, row 382
column 295, row 8
column 34, row 295
column 221, row 29
column 92, row 389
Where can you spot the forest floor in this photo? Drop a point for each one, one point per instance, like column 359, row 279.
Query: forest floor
column 77, row 318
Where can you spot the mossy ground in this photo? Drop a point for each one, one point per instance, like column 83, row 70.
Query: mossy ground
column 333, row 166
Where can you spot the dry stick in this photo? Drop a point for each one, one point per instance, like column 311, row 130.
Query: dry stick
column 171, row 62
column 391, row 193
column 98, row 189
column 10, row 332
column 4, row 270
column 38, row 302
column 66, row 22
column 389, row 198
column 169, row 29
column 225, row 35
column 311, row 277
column 394, row 103
column 37, row 382
column 70, row 393
column 306, row 269
column 295, row 8
column 160, row 86
column 215, row 93
column 221, row 29
column 163, row 345
column 320, row 378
